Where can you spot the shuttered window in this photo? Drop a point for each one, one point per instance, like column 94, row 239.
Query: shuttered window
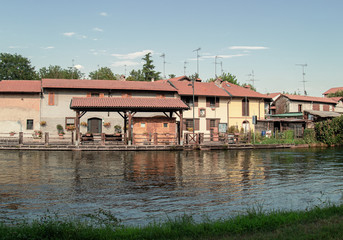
column 51, row 100
column 245, row 107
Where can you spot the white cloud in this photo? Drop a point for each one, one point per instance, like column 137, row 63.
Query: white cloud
column 49, row 47
column 78, row 66
column 69, row 34
column 123, row 63
column 132, row 55
column 98, row 29
column 104, row 14
column 247, row 48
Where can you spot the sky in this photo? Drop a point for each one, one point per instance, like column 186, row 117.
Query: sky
column 267, row 43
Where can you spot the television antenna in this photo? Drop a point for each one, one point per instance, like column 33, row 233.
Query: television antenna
column 252, row 78
column 303, row 65
column 197, row 50
column 215, row 65
column 184, row 67
column 164, row 65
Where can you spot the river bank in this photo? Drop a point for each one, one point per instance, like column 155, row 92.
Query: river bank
column 208, row 146
column 316, row 223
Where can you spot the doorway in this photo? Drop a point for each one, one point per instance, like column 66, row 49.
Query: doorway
column 94, row 125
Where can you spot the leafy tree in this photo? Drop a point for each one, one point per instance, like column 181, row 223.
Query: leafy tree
column 172, row 75
column 60, row 73
column 227, row 77
column 336, row 94
column 103, row 73
column 250, row 86
column 194, row 76
column 148, row 69
column 16, row 67
column 136, row 76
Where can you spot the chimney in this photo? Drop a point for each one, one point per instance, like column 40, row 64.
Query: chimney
column 247, row 86
column 218, row 81
column 122, row 78
column 152, row 80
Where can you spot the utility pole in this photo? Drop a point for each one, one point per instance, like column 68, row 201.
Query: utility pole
column 197, row 50
column 303, row 67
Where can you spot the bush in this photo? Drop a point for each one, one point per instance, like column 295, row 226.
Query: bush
column 330, row 131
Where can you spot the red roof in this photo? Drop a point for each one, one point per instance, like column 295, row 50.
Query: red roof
column 27, row 86
column 309, row 99
column 128, row 103
column 336, row 99
column 273, row 95
column 200, row 89
column 107, row 84
column 238, row 91
column 333, row 90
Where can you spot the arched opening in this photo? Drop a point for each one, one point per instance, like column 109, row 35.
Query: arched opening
column 246, row 126
column 94, row 125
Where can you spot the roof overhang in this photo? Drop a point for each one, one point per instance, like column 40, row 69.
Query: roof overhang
column 116, row 104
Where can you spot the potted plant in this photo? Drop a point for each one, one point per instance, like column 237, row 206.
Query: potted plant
column 70, row 127
column 60, row 130
column 37, row 134
column 84, row 124
column 12, row 133
column 107, row 124
column 43, row 123
column 117, row 129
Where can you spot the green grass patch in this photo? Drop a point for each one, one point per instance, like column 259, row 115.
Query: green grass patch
column 316, row 223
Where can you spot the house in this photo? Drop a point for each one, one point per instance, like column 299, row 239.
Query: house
column 287, row 103
column 332, row 90
column 58, row 93
column 20, row 106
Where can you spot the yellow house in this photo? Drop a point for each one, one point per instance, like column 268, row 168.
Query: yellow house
column 219, row 105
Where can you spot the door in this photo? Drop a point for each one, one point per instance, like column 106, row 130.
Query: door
column 95, row 125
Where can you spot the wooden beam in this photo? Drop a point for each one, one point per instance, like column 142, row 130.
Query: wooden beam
column 181, row 126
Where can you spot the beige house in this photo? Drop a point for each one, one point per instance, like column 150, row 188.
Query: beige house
column 20, row 106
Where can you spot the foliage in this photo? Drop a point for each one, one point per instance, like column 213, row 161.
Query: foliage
column 136, row 76
column 103, row 73
column 58, row 72
column 59, row 129
column 194, row 76
column 330, row 131
column 336, row 94
column 250, row 86
column 316, row 223
column 226, row 77
column 117, row 128
column 148, row 69
column 233, row 129
column 172, row 75
column 16, row 67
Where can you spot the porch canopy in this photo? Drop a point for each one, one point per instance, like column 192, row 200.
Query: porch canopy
column 127, row 108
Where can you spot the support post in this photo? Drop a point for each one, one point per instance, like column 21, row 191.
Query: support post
column 180, row 139
column 46, row 138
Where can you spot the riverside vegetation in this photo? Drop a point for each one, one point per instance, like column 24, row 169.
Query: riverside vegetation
column 316, row 223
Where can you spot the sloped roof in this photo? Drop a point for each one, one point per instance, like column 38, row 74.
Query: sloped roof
column 323, row 114
column 185, row 88
column 336, row 99
column 22, row 86
column 333, row 90
column 273, row 95
column 116, row 103
column 107, row 84
column 309, row 99
column 238, row 91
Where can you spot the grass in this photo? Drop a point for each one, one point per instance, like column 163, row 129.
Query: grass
column 316, row 223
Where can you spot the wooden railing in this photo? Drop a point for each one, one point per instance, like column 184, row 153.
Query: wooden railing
column 36, row 138
column 154, row 139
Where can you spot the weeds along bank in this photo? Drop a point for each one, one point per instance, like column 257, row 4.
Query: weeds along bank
column 316, row 223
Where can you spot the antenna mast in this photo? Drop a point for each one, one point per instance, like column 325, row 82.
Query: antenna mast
column 303, row 67
column 164, row 65
column 197, row 50
column 215, row 65
column 252, row 79
column 184, row 67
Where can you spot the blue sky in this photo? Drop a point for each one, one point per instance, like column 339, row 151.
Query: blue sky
column 264, row 36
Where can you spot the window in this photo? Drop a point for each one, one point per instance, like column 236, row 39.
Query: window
column 189, row 100
column 326, row 107
column 165, row 125
column 212, row 123
column 188, row 123
column 29, row 124
column 51, row 99
column 245, row 107
column 70, row 123
column 316, row 106
column 300, row 108
column 143, row 125
column 212, row 102
column 95, row 94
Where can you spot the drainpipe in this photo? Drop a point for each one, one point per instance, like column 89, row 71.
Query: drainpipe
column 227, row 113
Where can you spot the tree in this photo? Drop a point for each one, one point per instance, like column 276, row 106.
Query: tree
column 103, row 73
column 148, row 69
column 136, row 76
column 227, row 77
column 60, row 73
column 336, row 94
column 16, row 67
column 249, row 86
column 172, row 75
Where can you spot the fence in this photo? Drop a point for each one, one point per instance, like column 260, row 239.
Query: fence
column 36, row 138
column 154, row 139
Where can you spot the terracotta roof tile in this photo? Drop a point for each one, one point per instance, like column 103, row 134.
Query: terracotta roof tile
column 200, row 89
column 238, row 91
column 127, row 103
column 333, row 90
column 27, row 86
column 309, row 98
column 107, row 84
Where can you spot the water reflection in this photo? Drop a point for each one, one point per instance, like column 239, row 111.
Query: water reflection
column 140, row 185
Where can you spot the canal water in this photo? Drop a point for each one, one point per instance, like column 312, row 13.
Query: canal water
column 140, row 187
